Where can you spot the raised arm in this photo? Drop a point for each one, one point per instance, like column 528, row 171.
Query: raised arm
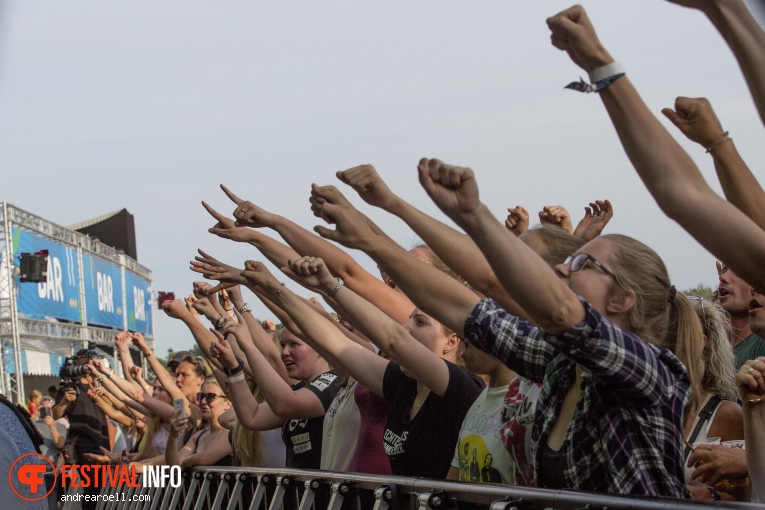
column 436, row 293
column 456, row 250
column 696, row 119
column 122, row 341
column 361, row 363
column 526, row 277
column 395, row 304
column 250, row 413
column 667, row 171
column 744, row 37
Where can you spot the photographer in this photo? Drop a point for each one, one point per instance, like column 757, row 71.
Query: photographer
column 87, row 424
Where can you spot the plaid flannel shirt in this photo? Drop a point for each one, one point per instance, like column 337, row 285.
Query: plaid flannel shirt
column 626, row 434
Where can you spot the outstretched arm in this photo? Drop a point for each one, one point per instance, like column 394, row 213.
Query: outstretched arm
column 696, row 119
column 436, row 293
column 546, row 298
column 745, row 38
column 304, row 242
column 361, row 363
column 667, row 171
column 456, row 250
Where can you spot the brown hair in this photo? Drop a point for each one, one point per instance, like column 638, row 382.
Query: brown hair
column 559, row 244
column 660, row 316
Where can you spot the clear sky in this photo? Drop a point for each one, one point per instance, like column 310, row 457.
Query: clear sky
column 150, row 105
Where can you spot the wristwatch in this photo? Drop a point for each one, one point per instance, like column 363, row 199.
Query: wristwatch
column 244, row 309
column 233, row 371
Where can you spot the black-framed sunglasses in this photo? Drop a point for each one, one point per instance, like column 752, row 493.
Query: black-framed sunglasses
column 208, row 397
column 578, row 262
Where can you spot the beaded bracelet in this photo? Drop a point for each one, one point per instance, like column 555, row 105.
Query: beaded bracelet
column 722, row 140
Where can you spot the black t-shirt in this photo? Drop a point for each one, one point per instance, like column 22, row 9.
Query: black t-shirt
column 303, row 437
column 87, row 426
column 424, row 446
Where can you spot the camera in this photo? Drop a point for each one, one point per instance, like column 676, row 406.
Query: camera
column 72, row 371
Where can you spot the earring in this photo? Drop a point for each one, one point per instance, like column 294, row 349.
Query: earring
column 446, row 351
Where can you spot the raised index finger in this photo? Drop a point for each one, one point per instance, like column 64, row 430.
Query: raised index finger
column 231, row 195
column 215, row 214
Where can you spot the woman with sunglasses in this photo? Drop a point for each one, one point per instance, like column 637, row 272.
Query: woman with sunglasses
column 610, row 413
column 209, row 446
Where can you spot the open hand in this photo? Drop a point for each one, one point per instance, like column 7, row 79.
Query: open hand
column 572, row 32
column 213, row 269
column 369, row 185
column 596, row 217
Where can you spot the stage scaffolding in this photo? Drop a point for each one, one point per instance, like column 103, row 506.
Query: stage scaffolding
column 15, row 330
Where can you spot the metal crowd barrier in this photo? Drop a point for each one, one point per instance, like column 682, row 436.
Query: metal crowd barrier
column 237, row 488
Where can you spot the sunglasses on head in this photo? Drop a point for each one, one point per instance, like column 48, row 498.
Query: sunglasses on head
column 208, row 397
column 580, row 260
column 703, row 313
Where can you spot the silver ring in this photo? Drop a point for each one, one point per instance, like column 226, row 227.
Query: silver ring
column 751, row 369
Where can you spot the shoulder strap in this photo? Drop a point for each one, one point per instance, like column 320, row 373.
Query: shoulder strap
column 704, row 416
column 26, row 420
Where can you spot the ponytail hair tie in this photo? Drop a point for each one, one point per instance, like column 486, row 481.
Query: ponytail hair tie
column 672, row 292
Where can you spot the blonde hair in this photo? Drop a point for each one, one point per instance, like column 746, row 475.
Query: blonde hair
column 719, row 360
column 34, row 394
column 439, row 264
column 660, row 315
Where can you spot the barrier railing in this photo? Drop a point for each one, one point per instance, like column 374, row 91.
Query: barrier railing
column 233, row 488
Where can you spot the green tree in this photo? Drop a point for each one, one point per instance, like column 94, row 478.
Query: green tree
column 701, row 290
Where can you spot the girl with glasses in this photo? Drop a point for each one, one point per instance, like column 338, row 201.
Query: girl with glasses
column 610, row 413
column 209, row 446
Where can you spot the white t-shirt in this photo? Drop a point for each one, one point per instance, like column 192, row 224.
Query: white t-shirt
column 341, row 429
column 480, row 455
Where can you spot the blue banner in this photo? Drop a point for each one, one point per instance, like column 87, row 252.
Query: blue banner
column 59, row 296
column 139, row 309
column 103, row 292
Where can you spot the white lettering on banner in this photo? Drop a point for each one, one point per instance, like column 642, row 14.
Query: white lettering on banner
column 105, row 294
column 139, row 304
column 52, row 289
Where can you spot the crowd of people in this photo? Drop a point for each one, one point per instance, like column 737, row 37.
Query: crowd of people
column 554, row 356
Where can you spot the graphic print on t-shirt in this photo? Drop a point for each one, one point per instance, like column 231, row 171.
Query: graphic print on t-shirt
column 393, row 443
column 300, row 442
column 476, row 461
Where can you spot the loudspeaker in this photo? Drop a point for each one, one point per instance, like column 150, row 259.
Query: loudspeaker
column 34, row 267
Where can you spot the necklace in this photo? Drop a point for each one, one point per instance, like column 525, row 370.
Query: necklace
column 416, row 405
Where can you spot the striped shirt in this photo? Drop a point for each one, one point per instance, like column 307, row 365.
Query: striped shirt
column 626, row 434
